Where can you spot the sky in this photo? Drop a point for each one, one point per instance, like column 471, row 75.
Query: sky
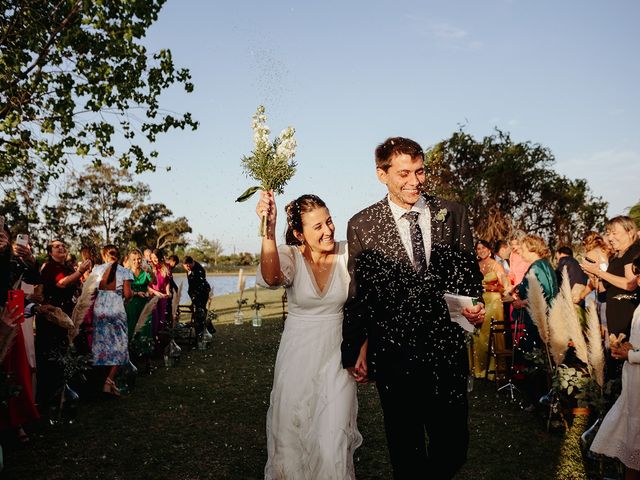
column 348, row 74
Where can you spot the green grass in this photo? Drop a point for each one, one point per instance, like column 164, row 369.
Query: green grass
column 204, row 419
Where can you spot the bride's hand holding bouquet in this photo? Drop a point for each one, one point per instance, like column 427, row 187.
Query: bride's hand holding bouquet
column 266, row 208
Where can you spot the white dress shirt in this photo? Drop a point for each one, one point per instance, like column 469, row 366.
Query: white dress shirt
column 424, row 221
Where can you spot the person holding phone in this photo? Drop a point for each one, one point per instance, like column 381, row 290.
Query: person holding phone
column 619, row 281
column 16, row 264
column 60, row 283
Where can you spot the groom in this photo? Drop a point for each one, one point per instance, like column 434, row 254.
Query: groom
column 405, row 251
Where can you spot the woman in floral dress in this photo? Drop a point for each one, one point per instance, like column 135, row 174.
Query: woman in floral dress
column 110, row 345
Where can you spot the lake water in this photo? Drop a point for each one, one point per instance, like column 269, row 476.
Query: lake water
column 220, row 284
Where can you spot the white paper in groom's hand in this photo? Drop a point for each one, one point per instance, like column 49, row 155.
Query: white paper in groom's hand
column 457, row 303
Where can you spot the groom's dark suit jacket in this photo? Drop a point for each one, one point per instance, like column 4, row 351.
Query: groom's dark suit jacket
column 402, row 313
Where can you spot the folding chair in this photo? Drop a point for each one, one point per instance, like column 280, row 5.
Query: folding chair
column 500, row 350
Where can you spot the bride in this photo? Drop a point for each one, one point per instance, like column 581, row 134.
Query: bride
column 311, row 421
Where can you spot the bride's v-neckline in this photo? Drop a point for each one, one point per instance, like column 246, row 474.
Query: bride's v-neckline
column 312, row 277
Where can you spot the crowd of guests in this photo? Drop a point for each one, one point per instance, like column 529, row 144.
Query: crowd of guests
column 100, row 312
column 115, row 308
column 609, row 274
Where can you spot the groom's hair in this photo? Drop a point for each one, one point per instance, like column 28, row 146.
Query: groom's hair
column 396, row 146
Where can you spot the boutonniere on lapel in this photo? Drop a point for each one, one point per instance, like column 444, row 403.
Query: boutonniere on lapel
column 441, row 215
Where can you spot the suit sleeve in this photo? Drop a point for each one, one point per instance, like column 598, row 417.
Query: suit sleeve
column 354, row 331
column 464, row 275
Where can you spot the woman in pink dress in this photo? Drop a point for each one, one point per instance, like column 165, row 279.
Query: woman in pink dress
column 161, row 289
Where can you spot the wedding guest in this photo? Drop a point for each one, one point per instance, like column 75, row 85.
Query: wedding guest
column 577, row 277
column 618, row 278
column 518, row 266
column 60, row 283
column 87, row 253
column 19, row 410
column 536, row 253
column 312, row 266
column 110, row 346
column 502, row 251
column 494, row 282
column 405, row 251
column 619, row 435
column 160, row 288
column 619, row 281
column 598, row 252
column 143, row 339
column 199, row 291
column 172, row 262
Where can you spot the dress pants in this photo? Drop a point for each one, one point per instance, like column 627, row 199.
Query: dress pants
column 412, row 409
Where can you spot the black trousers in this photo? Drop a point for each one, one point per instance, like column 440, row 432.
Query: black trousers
column 199, row 303
column 413, row 410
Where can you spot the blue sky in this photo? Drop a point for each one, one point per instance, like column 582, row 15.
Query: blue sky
column 348, row 74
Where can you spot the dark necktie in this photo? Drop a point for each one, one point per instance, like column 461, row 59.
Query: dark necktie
column 417, row 242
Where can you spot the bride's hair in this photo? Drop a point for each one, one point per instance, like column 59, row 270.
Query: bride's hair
column 295, row 209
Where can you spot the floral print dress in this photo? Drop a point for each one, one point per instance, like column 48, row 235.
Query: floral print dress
column 110, row 333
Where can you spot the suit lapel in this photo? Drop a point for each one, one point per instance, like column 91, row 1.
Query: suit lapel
column 388, row 236
column 437, row 226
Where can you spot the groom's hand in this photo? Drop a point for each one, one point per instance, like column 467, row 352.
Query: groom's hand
column 474, row 314
column 358, row 375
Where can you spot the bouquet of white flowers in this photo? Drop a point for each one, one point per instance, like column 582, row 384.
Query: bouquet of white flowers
column 270, row 163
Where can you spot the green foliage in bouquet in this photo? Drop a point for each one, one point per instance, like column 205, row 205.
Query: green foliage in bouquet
column 271, row 162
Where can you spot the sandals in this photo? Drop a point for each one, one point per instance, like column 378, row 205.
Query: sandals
column 111, row 388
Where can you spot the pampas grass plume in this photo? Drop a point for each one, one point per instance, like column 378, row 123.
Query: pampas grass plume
column 144, row 314
column 596, row 351
column 571, row 318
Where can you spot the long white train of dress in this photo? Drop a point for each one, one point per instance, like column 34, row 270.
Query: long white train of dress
column 619, row 435
column 311, row 421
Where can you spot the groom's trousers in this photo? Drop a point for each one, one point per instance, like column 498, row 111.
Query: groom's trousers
column 413, row 408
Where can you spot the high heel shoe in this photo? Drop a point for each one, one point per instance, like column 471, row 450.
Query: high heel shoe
column 111, row 388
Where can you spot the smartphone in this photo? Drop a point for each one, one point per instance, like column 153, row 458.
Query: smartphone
column 22, row 239
column 15, row 298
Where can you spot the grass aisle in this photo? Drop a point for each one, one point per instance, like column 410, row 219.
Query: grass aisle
column 204, row 419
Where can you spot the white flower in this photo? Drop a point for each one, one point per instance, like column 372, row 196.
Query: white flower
column 286, row 145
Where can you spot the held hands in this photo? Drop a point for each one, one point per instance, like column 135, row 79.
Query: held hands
column 474, row 314
column 359, row 371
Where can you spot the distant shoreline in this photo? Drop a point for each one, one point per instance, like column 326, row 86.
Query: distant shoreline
column 217, row 273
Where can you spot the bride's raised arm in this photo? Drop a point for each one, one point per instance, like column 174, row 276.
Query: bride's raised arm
column 269, row 259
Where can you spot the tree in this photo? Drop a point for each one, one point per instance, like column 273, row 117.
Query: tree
column 209, row 249
column 507, row 185
column 171, row 233
column 94, row 206
column 142, row 224
column 71, row 73
column 105, row 205
column 634, row 212
column 150, row 226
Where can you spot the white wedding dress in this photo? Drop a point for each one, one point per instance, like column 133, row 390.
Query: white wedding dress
column 619, row 435
column 311, row 421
